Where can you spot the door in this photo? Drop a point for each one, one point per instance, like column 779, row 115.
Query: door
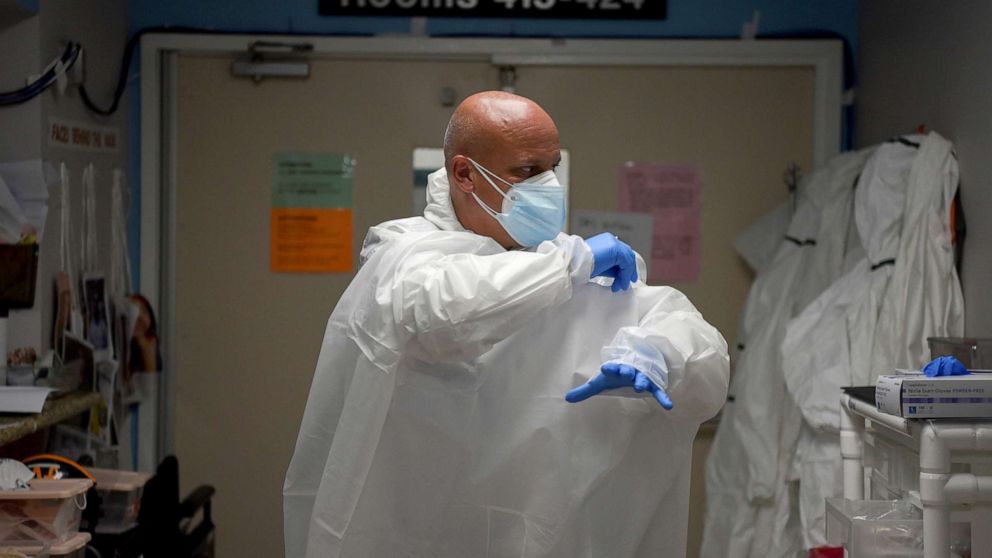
column 247, row 339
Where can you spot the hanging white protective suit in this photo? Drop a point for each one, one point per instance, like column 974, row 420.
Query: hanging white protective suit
column 724, row 468
column 750, row 506
column 878, row 316
column 436, row 424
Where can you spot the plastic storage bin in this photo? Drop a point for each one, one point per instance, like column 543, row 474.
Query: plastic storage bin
column 883, row 528
column 121, row 494
column 49, row 513
column 875, row 527
column 74, row 547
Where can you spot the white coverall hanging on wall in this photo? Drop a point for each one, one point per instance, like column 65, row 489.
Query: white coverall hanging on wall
column 750, row 506
column 877, row 317
column 436, row 424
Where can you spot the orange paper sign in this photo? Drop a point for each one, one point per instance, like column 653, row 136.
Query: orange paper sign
column 311, row 240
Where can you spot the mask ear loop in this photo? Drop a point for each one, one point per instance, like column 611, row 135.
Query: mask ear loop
column 485, row 174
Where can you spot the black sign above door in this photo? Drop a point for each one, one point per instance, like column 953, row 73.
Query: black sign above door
column 562, row 9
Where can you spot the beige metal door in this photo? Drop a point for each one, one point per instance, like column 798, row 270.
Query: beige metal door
column 247, row 338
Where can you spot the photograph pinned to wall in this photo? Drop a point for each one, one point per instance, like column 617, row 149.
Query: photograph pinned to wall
column 672, row 194
column 142, row 332
column 98, row 332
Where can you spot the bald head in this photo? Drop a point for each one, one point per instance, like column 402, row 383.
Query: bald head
column 509, row 135
column 485, row 120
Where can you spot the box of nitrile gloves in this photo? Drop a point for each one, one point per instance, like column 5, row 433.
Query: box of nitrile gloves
column 919, row 396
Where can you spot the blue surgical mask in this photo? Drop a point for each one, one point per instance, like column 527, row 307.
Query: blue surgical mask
column 533, row 211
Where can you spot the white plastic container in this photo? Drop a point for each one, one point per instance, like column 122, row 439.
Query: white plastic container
column 882, row 529
column 74, row 547
column 49, row 513
column 121, row 494
column 21, row 375
column 878, row 528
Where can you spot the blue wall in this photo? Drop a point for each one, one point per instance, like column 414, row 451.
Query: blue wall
column 686, row 19
column 30, row 6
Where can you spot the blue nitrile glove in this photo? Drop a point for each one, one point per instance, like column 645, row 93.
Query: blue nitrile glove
column 614, row 376
column 613, row 258
column 944, row 366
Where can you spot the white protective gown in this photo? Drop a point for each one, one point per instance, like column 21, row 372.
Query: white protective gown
column 750, row 503
column 436, row 424
column 878, row 316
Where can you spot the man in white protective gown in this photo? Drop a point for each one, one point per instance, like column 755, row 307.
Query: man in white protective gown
column 437, row 423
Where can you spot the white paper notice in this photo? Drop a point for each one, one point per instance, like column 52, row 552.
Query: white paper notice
column 23, row 399
column 633, row 228
column 27, row 182
column 672, row 193
column 13, row 225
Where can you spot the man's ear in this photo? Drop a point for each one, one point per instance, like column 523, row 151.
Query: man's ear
column 461, row 174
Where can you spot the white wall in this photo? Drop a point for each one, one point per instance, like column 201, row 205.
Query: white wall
column 101, row 27
column 930, row 62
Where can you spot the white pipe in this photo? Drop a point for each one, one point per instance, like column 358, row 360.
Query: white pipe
column 966, row 488
column 935, row 455
column 936, row 443
column 851, row 430
column 936, row 515
column 935, row 469
column 962, row 436
column 898, row 424
column 854, row 478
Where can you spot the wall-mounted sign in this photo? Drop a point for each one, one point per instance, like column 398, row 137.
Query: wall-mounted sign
column 79, row 135
column 561, row 9
column 672, row 194
column 311, row 217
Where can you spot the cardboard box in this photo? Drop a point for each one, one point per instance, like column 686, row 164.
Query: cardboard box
column 917, row 396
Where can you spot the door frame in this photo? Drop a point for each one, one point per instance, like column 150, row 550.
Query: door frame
column 159, row 128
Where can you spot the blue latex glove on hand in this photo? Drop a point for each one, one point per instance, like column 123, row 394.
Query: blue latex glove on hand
column 613, row 376
column 614, row 259
column 945, row 366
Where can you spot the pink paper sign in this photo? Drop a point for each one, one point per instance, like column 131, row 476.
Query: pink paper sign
column 671, row 193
